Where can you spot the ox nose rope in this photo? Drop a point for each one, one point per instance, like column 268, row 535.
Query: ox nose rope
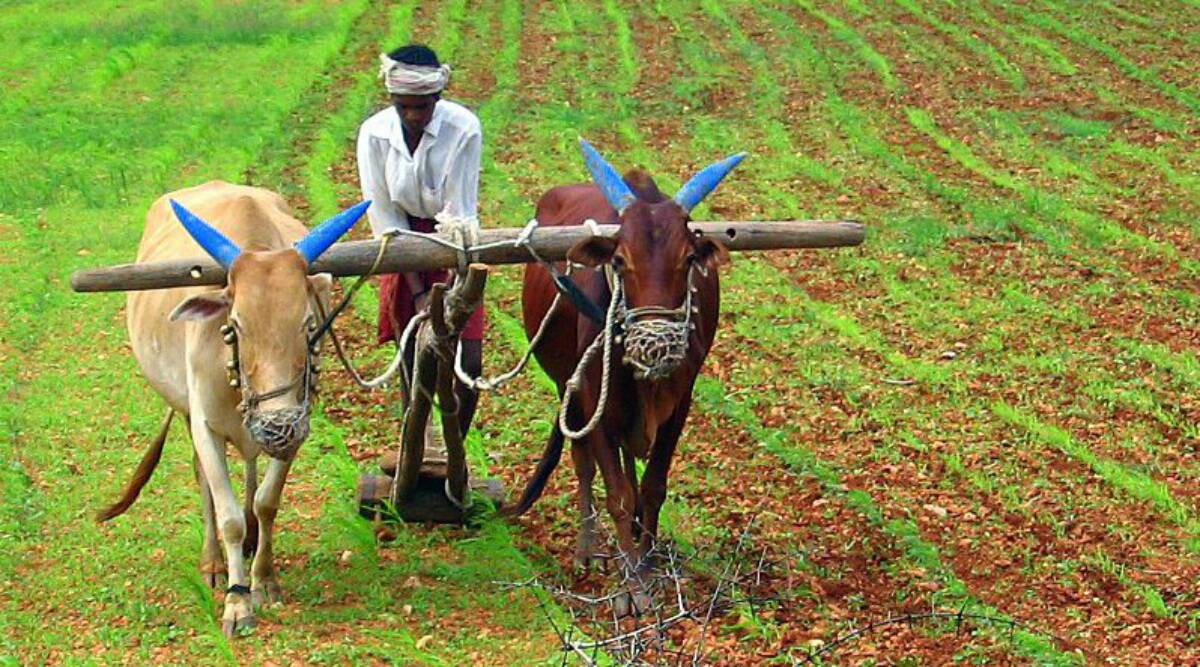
column 655, row 347
column 606, row 341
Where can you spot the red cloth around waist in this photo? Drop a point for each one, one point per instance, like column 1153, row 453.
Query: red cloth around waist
column 396, row 301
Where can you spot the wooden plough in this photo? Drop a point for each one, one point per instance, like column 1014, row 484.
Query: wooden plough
column 422, row 490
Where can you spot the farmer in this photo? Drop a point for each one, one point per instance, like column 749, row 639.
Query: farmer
column 419, row 160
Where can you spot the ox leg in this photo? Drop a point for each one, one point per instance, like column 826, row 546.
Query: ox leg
column 654, row 481
column 585, row 471
column 631, row 474
column 250, row 544
column 622, row 506
column 212, row 561
column 231, row 523
column 266, row 588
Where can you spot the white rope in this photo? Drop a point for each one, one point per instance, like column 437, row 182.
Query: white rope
column 495, row 382
column 390, row 371
column 577, row 377
column 466, row 232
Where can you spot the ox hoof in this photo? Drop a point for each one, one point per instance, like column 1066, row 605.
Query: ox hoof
column 267, row 593
column 233, row 627
column 239, row 614
column 633, row 602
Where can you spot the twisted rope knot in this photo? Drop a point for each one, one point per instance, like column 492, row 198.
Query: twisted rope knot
column 463, row 232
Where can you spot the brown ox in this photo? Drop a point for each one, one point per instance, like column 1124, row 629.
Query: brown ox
column 658, row 349
column 237, row 362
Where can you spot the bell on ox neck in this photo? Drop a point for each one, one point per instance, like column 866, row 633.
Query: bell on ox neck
column 234, row 382
column 231, row 364
column 225, row 329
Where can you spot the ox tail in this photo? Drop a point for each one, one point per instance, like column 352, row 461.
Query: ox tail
column 537, row 483
column 141, row 475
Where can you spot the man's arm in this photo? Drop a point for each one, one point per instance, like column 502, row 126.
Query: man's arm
column 383, row 214
column 462, row 181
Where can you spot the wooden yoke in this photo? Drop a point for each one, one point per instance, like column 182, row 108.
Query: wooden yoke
column 495, row 246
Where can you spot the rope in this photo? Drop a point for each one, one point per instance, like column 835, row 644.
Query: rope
column 577, row 376
column 327, row 325
column 493, row 383
column 465, row 231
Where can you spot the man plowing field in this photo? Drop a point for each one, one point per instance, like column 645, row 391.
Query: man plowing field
column 418, row 161
column 624, row 347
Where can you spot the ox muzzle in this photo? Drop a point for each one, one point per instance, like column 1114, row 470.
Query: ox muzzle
column 281, row 431
column 656, row 339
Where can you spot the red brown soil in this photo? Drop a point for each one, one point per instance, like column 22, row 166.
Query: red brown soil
column 982, row 539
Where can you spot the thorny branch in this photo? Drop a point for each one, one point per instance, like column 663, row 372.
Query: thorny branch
column 676, row 599
column 677, row 627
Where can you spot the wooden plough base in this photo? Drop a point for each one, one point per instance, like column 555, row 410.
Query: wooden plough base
column 421, row 495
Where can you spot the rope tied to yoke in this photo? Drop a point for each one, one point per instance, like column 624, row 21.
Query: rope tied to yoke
column 605, row 341
column 463, row 238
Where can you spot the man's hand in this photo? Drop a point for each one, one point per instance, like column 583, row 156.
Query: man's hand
column 421, row 301
column 418, row 289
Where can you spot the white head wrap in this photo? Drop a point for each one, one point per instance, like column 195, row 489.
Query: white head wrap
column 404, row 79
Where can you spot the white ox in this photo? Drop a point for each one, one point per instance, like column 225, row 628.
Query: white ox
column 238, row 362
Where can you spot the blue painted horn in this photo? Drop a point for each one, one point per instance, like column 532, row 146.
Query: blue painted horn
column 327, row 233
column 606, row 178
column 705, row 181
column 216, row 244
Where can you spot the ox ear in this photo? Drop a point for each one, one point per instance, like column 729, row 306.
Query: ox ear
column 321, row 285
column 321, row 282
column 592, row 252
column 201, row 307
column 711, row 253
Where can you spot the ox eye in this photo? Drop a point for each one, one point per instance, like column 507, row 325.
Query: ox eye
column 691, row 259
column 618, row 262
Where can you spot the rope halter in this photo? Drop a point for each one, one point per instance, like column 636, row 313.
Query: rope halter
column 656, row 338
column 278, row 432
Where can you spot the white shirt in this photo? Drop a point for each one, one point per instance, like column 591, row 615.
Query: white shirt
column 443, row 176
